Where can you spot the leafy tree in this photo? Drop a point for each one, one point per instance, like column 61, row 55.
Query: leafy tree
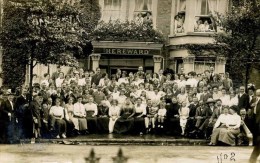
column 47, row 31
column 238, row 42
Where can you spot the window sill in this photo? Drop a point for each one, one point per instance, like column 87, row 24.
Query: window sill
column 203, row 34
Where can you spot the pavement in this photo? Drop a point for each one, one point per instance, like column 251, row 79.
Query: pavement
column 60, row 153
column 117, row 139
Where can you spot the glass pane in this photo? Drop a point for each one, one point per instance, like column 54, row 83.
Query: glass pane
column 107, row 4
column 138, row 5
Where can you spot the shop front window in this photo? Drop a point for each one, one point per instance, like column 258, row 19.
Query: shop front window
column 200, row 65
column 143, row 12
column 112, row 9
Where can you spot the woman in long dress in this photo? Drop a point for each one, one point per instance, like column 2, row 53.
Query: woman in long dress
column 125, row 122
column 91, row 112
column 57, row 119
column 114, row 113
column 103, row 119
column 227, row 127
column 79, row 118
column 140, row 114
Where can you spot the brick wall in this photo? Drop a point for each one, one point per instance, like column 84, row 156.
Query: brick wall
column 164, row 16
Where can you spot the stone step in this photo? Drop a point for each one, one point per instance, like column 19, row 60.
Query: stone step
column 127, row 141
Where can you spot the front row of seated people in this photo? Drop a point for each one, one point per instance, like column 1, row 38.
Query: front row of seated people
column 211, row 117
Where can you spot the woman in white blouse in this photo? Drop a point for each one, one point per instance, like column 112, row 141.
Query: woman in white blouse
column 57, row 114
column 114, row 113
column 79, row 118
column 227, row 127
column 91, row 111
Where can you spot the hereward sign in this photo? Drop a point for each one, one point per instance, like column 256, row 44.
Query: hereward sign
column 126, row 51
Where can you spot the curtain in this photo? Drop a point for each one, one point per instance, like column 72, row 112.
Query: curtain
column 222, row 6
column 182, row 6
column 212, row 4
column 112, row 9
column 143, row 5
column 198, row 7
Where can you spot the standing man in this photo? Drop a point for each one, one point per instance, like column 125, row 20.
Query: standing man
column 96, row 78
column 9, row 118
column 243, row 99
column 256, row 132
column 55, row 75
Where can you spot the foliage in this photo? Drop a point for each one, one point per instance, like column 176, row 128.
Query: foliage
column 47, row 31
column 126, row 31
column 241, row 26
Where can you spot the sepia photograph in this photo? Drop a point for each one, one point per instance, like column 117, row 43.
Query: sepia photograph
column 129, row 81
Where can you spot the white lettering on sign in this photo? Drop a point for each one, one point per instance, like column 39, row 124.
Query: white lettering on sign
column 127, row 51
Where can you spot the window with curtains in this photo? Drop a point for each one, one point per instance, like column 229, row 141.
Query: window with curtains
column 112, row 9
column 143, row 12
column 202, row 64
column 204, row 20
column 180, row 16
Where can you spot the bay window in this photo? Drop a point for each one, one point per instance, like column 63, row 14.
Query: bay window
column 202, row 64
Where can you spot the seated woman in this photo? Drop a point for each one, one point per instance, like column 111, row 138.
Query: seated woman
column 227, row 127
column 69, row 122
column 79, row 118
column 103, row 119
column 140, row 113
column 114, row 114
column 91, row 112
column 172, row 123
column 57, row 119
column 125, row 122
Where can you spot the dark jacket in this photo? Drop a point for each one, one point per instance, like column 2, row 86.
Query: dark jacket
column 243, row 101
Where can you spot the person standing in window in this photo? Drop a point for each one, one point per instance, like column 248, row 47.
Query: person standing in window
column 139, row 19
column 148, row 19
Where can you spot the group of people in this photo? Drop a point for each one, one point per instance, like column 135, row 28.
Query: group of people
column 194, row 105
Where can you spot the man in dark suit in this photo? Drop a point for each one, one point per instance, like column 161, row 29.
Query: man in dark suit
column 55, row 75
column 205, row 94
column 162, row 78
column 21, row 106
column 96, row 78
column 9, row 118
column 256, row 132
column 2, row 125
column 243, row 99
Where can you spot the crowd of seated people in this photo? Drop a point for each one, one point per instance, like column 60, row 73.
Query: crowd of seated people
column 82, row 102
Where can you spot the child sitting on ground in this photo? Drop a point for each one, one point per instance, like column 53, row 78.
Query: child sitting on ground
column 152, row 115
column 184, row 115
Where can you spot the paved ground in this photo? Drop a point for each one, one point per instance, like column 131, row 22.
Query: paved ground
column 60, row 153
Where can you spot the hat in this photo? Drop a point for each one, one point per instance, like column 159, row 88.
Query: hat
column 9, row 92
column 210, row 100
column 235, row 108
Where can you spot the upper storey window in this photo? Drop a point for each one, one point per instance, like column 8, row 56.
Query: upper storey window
column 143, row 12
column 112, row 10
column 180, row 16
